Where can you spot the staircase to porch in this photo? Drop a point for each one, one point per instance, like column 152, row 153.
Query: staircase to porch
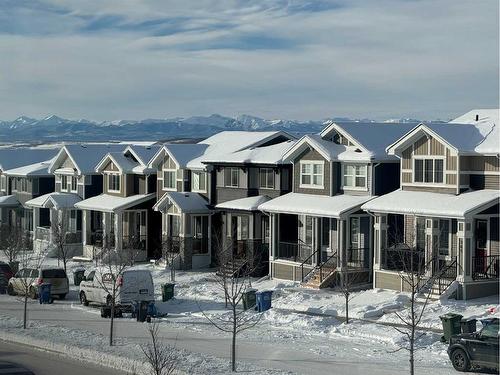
column 436, row 285
column 321, row 276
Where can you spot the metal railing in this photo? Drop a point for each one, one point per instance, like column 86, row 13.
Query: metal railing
column 294, row 251
column 134, row 241
column 486, row 267
column 98, row 239
column 42, row 233
column 309, row 261
column 171, row 245
column 446, row 276
column 327, row 267
column 357, row 257
column 403, row 259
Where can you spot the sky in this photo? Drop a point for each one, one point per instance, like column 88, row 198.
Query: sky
column 291, row 59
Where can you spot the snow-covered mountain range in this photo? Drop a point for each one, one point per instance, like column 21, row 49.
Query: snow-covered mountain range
column 54, row 128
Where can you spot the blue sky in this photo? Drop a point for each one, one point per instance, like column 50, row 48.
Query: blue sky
column 296, row 59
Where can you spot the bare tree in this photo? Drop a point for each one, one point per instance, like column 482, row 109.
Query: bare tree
column 60, row 237
column 12, row 242
column 161, row 358
column 348, row 281
column 113, row 264
column 171, row 247
column 233, row 282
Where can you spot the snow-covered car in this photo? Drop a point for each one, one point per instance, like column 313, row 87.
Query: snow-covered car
column 132, row 286
column 476, row 349
column 30, row 279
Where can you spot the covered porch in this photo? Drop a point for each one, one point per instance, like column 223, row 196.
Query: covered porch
column 319, row 234
column 443, row 237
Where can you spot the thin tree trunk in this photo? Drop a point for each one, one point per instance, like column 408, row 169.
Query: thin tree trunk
column 25, row 315
column 111, row 326
column 233, row 343
column 347, row 309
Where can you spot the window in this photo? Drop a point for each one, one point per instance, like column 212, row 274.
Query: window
column 429, row 170
column 232, row 177
column 311, row 174
column 266, row 178
column 64, row 182
column 3, row 183
column 114, row 182
column 355, row 176
column 74, row 183
column 169, row 179
column 199, row 181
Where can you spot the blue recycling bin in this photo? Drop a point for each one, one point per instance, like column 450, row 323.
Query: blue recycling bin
column 264, row 299
column 44, row 293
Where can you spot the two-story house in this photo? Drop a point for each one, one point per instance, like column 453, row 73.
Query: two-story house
column 443, row 221
column 121, row 218
column 187, row 192
column 318, row 231
column 75, row 180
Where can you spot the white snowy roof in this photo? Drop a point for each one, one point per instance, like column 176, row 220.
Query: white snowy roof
column 124, row 164
column 181, row 153
column 184, row 201
column 244, row 204
column 433, row 204
column 329, row 150
column 55, row 200
column 85, row 157
column 112, row 203
column 14, row 157
column 8, row 201
column 315, row 205
column 259, row 155
column 40, row 169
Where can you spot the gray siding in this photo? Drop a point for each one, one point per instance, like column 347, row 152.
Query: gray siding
column 311, row 155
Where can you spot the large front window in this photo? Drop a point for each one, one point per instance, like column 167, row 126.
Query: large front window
column 114, row 182
column 232, row 177
column 169, row 177
column 429, row 170
column 266, row 178
column 311, row 174
column 199, row 181
column 355, row 176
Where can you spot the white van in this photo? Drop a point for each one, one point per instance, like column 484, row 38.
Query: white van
column 133, row 285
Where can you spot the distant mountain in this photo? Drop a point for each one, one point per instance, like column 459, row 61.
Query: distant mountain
column 54, row 128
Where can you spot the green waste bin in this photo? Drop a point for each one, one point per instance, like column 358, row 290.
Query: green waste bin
column 78, row 276
column 468, row 325
column 167, row 292
column 249, row 299
column 451, row 325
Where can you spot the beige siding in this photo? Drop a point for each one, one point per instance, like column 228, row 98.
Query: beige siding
column 67, row 163
column 479, row 163
column 451, row 161
column 406, row 156
column 492, row 182
column 283, row 271
column 430, row 189
column 451, row 179
column 406, row 177
column 436, row 147
column 421, row 146
column 111, row 167
column 387, row 281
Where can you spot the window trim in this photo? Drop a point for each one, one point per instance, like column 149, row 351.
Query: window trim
column 3, row 182
column 433, row 158
column 119, row 182
column 267, row 169
column 312, row 163
column 349, row 187
column 230, row 185
column 199, row 173
column 170, row 170
column 74, row 188
column 64, row 183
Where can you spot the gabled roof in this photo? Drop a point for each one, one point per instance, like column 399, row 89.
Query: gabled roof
column 9, row 201
column 32, row 170
column 471, row 137
column 244, row 204
column 433, row 204
column 15, row 157
column 55, row 200
column 181, row 153
column 184, row 201
column 143, row 153
column 124, row 164
column 85, row 156
column 112, row 203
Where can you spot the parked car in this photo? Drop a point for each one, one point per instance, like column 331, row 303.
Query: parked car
column 476, row 349
column 132, row 285
column 31, row 278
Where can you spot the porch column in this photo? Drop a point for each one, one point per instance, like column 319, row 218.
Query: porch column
column 464, row 250
column 118, row 230
column 273, row 237
column 209, row 230
column 85, row 226
column 316, row 245
column 379, row 239
column 341, row 253
column 106, row 226
column 431, row 245
column 185, row 238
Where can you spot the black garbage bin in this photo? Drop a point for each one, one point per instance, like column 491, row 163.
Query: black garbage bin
column 451, row 325
column 78, row 276
column 142, row 312
column 468, row 325
column 167, row 291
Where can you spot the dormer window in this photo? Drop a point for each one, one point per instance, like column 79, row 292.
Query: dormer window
column 114, row 182
column 355, row 176
column 311, row 174
column 74, row 183
column 169, row 179
column 64, row 183
column 429, row 170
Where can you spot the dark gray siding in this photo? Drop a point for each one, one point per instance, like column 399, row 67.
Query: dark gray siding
column 311, row 155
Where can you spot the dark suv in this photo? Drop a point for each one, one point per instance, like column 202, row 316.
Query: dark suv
column 476, row 349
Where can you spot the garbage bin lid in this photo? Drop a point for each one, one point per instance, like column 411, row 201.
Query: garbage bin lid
column 469, row 319
column 450, row 316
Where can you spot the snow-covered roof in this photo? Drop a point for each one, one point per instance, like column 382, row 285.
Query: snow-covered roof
column 144, row 153
column 8, row 201
column 40, row 169
column 85, row 157
column 124, row 164
column 112, row 203
column 272, row 154
column 244, row 204
column 181, row 153
column 329, row 150
column 15, row 157
column 54, row 200
column 184, row 201
column 433, row 204
column 315, row 205
column 464, row 134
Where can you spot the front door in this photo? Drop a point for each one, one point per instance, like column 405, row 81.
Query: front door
column 481, row 237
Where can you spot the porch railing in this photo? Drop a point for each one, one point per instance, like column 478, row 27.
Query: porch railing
column 42, row 233
column 327, row 267
column 98, row 239
column 357, row 258
column 486, row 267
column 296, row 252
column 171, row 245
column 307, row 261
column 446, row 276
column 200, row 245
column 134, row 241
column 403, row 259
column 73, row 237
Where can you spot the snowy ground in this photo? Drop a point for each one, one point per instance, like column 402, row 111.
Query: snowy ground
column 303, row 333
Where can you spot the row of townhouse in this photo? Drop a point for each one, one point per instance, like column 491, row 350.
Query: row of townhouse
column 359, row 200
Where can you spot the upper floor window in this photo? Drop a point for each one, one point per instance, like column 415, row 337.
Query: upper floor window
column 232, row 177
column 74, row 183
column 64, row 182
column 429, row 170
column 311, row 174
column 199, row 181
column 3, row 183
column 355, row 176
column 169, row 179
column 113, row 182
column 266, row 178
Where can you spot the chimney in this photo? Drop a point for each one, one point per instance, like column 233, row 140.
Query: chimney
column 477, row 117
